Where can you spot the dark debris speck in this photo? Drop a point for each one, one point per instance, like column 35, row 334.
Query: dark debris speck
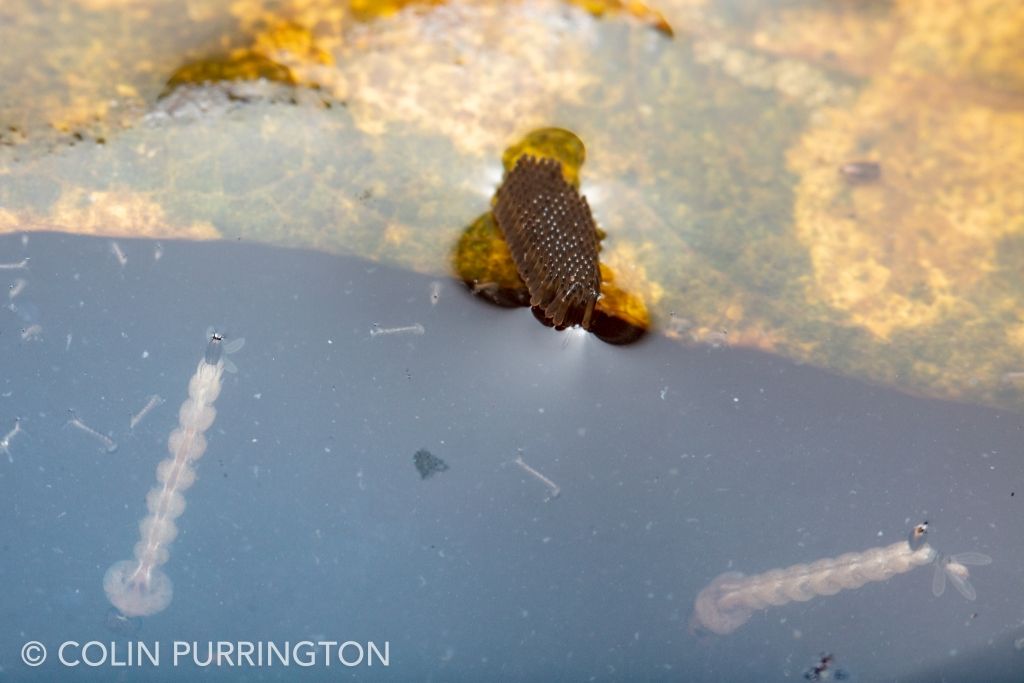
column 428, row 464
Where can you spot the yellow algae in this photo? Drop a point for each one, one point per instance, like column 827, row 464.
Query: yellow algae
column 286, row 39
column 979, row 41
column 1015, row 336
column 113, row 214
column 240, row 65
column 850, row 36
column 377, row 9
column 900, row 253
column 550, row 143
column 482, row 257
column 640, row 10
column 623, row 264
column 395, row 234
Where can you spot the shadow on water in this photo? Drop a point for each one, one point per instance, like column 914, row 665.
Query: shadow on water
column 591, row 491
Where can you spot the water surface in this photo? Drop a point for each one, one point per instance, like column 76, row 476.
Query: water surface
column 310, row 519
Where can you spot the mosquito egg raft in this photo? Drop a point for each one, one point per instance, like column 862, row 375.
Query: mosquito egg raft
column 552, row 238
column 539, row 245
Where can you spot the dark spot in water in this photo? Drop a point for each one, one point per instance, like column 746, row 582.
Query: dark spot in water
column 825, row 670
column 857, row 172
column 428, row 464
column 553, row 240
column 613, row 330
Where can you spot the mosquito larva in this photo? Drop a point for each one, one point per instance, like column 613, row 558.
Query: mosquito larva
column 415, row 328
column 552, row 486
column 5, row 443
column 731, row 599
column 108, row 444
column 32, row 333
column 20, row 265
column 17, row 287
column 118, row 252
column 139, row 587
column 152, row 403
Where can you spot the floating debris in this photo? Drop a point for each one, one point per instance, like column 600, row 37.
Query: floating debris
column 5, row 443
column 553, row 488
column 428, row 464
column 108, row 444
column 20, row 265
column 16, row 288
column 435, row 293
column 118, row 253
column 32, row 333
column 152, row 403
column 416, row 328
column 553, row 240
column 824, row 670
column 861, row 172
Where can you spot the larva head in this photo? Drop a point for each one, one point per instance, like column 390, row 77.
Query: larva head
column 917, row 535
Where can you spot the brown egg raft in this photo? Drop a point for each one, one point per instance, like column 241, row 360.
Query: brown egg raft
column 553, row 240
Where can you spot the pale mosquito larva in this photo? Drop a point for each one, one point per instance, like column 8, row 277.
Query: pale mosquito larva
column 553, row 488
column 415, row 328
column 109, row 445
column 139, row 587
column 731, row 599
column 118, row 253
column 16, row 288
column 5, row 443
column 33, row 332
column 152, row 403
column 19, row 265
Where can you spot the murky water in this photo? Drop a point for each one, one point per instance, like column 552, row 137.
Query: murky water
column 310, row 518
